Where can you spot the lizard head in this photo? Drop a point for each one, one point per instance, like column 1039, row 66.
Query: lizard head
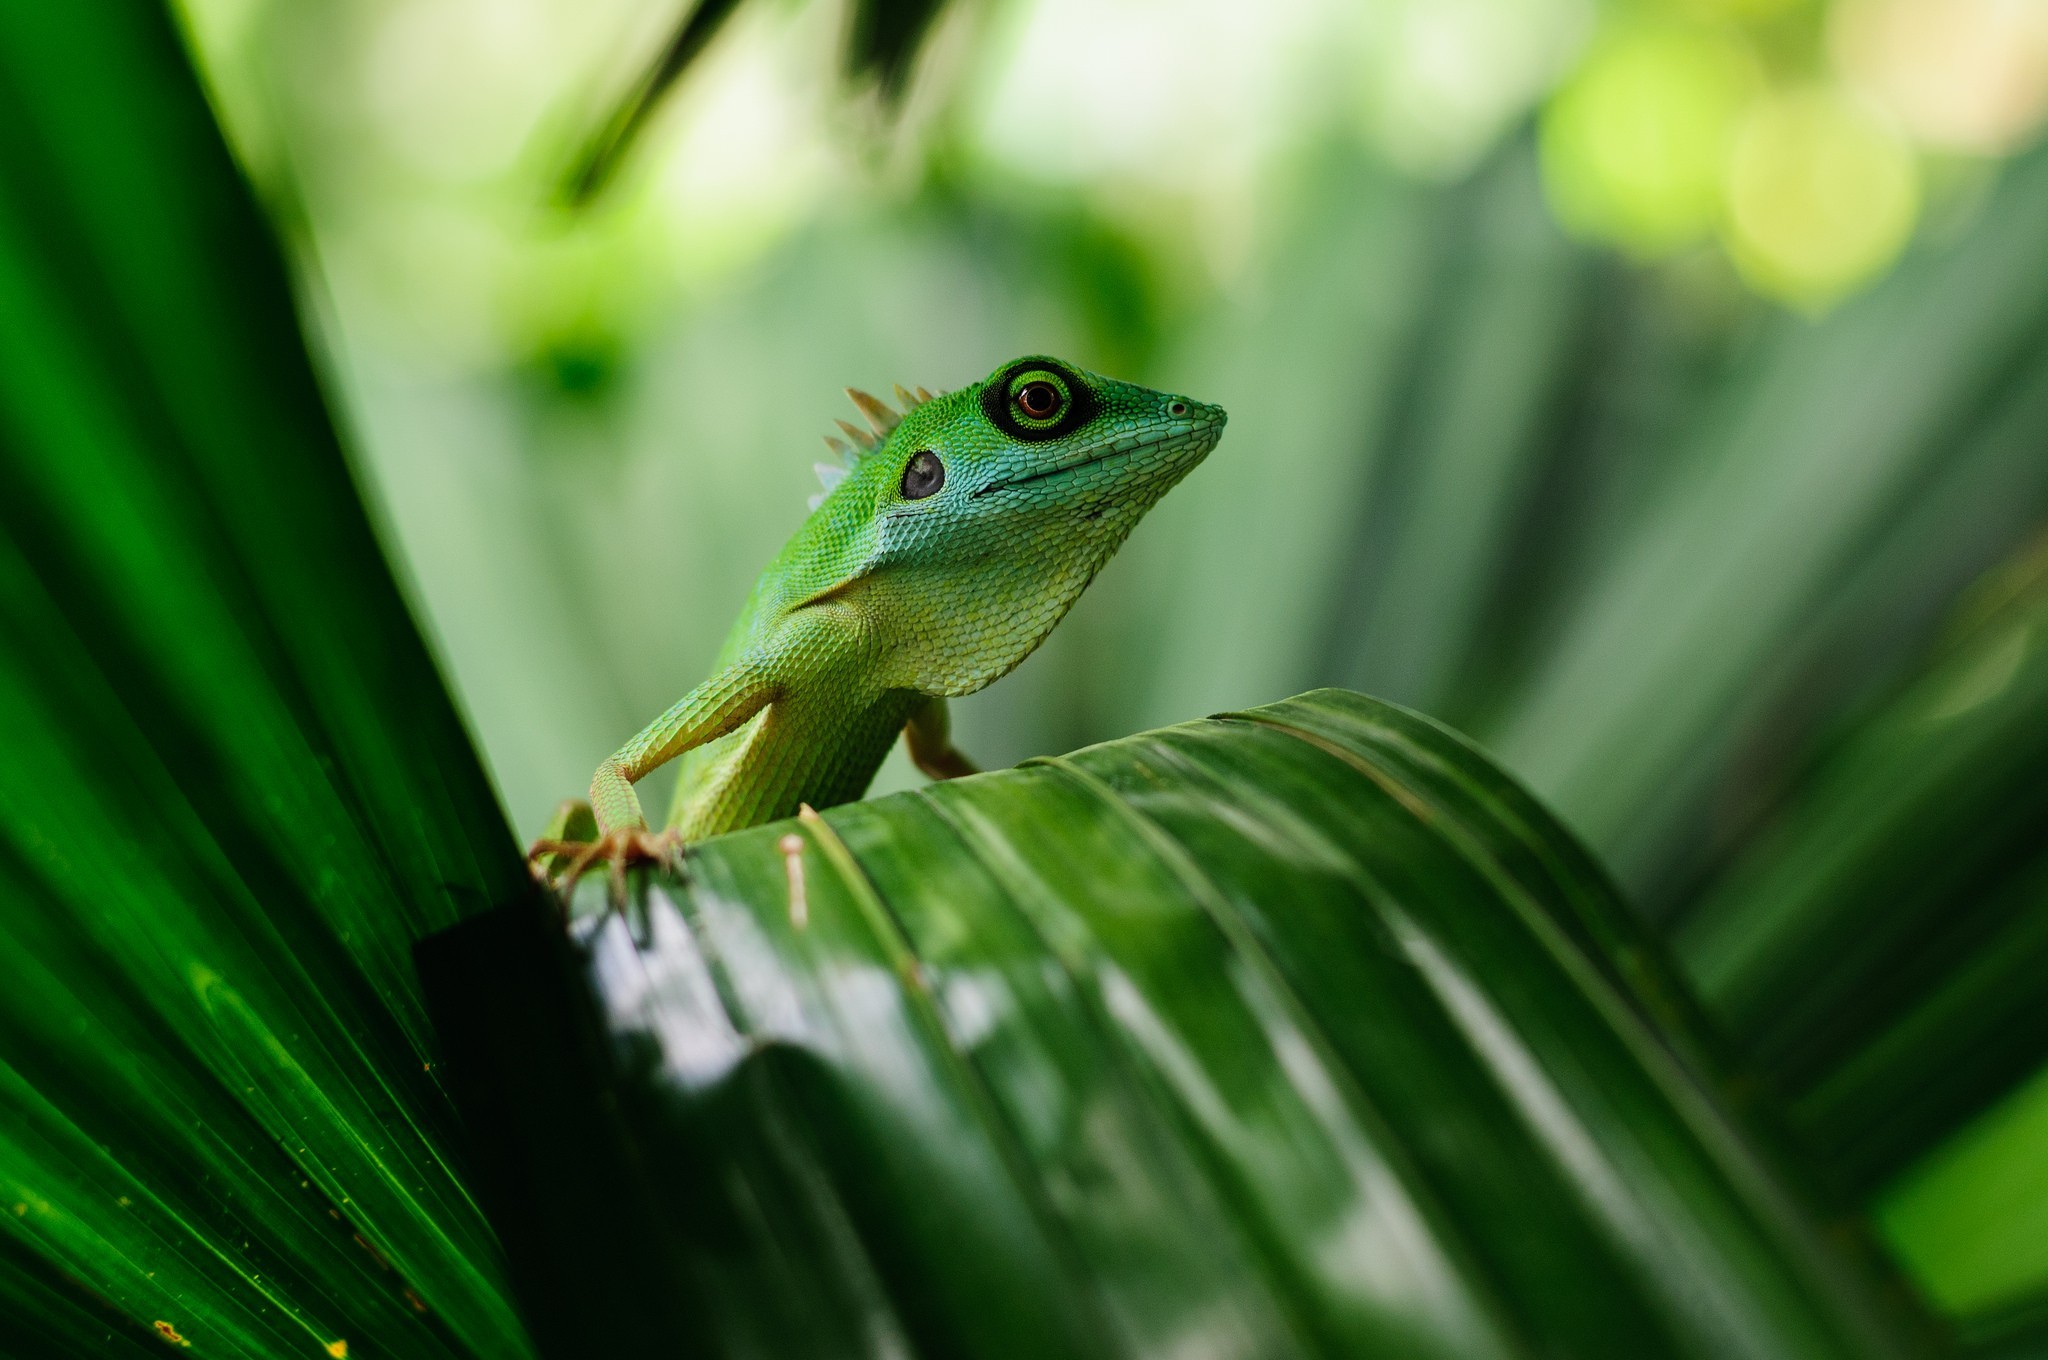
column 994, row 505
column 1037, row 453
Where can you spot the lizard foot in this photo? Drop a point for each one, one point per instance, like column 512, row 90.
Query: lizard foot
column 558, row 863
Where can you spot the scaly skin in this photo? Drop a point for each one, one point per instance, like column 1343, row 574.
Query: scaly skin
column 894, row 597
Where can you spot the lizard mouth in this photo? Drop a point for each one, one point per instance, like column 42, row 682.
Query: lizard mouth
column 1075, row 466
column 994, row 487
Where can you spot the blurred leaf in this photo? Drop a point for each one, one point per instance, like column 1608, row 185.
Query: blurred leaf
column 882, row 40
column 1221, row 600
column 1858, row 885
column 234, row 793
column 1302, row 1032
column 1487, row 379
column 1876, row 954
column 1764, row 550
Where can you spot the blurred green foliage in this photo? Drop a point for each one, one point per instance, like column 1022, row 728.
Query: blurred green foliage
column 1521, row 432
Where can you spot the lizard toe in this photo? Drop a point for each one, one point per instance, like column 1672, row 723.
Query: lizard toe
column 560, row 864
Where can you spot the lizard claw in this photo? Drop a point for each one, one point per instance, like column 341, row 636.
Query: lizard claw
column 619, row 850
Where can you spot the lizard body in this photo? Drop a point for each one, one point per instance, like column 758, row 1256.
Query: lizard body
column 961, row 533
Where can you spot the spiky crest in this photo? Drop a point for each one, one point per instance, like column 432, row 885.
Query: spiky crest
column 880, row 417
column 859, row 443
column 864, row 440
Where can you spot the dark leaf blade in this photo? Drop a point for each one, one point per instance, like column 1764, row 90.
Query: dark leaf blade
column 1290, row 1045
column 882, row 41
column 883, row 38
column 608, row 146
column 235, row 791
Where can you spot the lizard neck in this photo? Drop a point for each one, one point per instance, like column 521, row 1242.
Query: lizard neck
column 979, row 627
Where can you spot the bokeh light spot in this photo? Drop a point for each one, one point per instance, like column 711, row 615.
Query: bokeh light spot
column 1963, row 75
column 1821, row 196
column 1635, row 146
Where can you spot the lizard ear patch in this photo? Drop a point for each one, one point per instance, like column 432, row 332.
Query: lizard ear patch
column 829, row 476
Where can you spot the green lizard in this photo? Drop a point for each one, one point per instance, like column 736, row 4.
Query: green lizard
column 951, row 541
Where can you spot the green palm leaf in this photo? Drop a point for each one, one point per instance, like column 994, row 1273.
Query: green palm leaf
column 234, row 791
column 1302, row 1031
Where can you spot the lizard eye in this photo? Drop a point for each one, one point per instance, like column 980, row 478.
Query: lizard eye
column 1038, row 400
column 1034, row 400
column 923, row 475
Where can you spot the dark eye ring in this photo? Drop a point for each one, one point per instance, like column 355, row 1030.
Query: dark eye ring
column 923, row 475
column 1038, row 400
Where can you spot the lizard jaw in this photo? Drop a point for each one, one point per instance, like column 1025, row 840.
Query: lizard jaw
column 1078, row 464
column 993, row 487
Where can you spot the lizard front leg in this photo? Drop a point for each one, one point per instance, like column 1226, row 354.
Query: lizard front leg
column 716, row 707
column 928, row 734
